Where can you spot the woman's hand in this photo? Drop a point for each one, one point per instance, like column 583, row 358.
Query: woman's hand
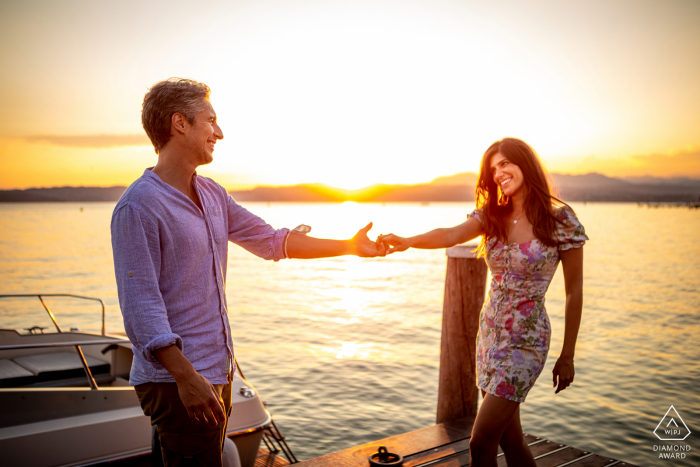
column 564, row 371
column 394, row 243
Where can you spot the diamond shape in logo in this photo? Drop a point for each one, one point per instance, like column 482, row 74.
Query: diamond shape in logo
column 672, row 427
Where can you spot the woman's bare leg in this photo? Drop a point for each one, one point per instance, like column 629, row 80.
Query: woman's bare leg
column 495, row 414
column 516, row 451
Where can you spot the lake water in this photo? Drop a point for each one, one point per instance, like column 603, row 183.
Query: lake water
column 346, row 350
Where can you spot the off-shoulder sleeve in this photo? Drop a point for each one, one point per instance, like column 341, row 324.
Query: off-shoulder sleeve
column 477, row 214
column 571, row 234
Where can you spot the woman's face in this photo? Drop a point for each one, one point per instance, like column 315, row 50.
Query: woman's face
column 506, row 175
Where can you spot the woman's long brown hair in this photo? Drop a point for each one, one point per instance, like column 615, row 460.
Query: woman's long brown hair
column 540, row 202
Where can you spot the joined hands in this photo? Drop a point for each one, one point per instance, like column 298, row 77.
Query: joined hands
column 366, row 248
column 382, row 246
column 393, row 243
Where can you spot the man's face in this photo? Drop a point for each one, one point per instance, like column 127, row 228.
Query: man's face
column 203, row 135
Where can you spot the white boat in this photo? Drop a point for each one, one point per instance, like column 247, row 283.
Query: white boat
column 66, row 401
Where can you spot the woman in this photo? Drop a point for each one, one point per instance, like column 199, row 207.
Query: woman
column 525, row 232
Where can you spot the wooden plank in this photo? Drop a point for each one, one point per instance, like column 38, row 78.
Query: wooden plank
column 406, row 444
column 573, row 457
column 458, row 461
column 576, row 458
column 437, row 453
column 590, row 460
column 545, row 447
column 558, row 458
column 538, row 447
column 597, row 460
column 266, row 458
column 448, row 450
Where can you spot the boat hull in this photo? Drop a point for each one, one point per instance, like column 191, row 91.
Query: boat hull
column 58, row 421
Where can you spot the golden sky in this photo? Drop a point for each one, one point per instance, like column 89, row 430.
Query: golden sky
column 352, row 93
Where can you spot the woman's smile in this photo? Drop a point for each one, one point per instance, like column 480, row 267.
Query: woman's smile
column 506, row 175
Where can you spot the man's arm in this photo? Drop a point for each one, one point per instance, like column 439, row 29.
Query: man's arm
column 255, row 235
column 137, row 263
column 304, row 247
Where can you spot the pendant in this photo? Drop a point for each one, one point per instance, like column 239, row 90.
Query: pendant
column 515, row 221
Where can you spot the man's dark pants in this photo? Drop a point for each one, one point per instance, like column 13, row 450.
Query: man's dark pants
column 183, row 442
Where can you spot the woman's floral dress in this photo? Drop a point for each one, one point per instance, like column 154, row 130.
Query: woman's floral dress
column 514, row 330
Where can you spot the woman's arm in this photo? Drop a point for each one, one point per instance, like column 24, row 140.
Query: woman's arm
column 572, row 264
column 438, row 238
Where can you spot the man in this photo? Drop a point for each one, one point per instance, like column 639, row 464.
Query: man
column 170, row 234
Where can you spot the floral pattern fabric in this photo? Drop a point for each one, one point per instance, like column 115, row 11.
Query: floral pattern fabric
column 514, row 330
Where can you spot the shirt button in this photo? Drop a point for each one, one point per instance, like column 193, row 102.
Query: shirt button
column 131, row 274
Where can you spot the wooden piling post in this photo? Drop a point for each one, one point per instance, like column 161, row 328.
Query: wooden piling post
column 465, row 286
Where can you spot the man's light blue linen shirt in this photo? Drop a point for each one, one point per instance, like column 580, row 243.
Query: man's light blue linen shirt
column 170, row 264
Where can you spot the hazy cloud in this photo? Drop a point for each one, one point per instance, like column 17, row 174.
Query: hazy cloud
column 685, row 163
column 92, row 141
column 679, row 164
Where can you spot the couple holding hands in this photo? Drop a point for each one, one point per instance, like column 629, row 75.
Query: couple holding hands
column 170, row 234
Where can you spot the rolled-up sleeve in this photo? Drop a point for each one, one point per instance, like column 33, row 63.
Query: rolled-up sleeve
column 137, row 261
column 254, row 234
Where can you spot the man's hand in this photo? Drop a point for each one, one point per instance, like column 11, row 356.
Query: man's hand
column 199, row 397
column 564, row 371
column 394, row 243
column 364, row 247
column 201, row 400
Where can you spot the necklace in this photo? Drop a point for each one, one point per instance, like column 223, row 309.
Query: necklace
column 516, row 220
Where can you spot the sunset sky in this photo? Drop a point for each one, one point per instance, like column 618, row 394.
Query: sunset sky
column 352, row 93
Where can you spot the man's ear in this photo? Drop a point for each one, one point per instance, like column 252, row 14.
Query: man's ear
column 178, row 123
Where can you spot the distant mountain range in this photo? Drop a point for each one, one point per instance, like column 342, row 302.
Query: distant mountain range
column 64, row 193
column 457, row 187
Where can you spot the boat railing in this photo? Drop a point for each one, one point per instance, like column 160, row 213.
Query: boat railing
column 88, row 373
column 51, row 315
column 64, row 344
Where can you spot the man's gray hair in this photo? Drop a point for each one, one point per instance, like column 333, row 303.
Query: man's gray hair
column 166, row 98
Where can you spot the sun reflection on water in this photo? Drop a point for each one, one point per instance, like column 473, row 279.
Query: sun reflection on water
column 350, row 350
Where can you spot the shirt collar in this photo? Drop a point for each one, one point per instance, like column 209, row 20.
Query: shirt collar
column 148, row 173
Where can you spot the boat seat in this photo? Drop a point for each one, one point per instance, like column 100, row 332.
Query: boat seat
column 11, row 374
column 60, row 365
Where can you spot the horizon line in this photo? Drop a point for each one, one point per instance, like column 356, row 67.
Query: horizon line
column 253, row 187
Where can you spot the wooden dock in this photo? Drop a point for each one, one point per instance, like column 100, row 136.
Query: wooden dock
column 270, row 459
column 447, row 445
